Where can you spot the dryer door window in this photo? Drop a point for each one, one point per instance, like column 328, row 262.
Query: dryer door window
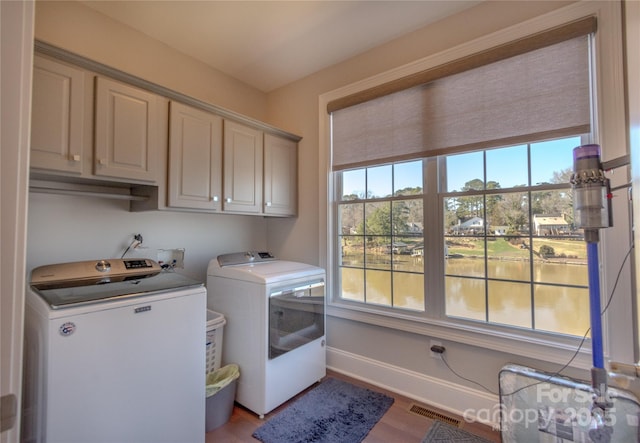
column 296, row 317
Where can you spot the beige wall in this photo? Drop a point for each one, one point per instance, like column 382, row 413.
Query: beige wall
column 68, row 228
column 295, row 107
column 81, row 30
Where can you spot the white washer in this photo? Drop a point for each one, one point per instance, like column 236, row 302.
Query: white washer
column 114, row 352
column 275, row 325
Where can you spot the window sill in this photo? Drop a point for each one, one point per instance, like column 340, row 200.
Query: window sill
column 552, row 349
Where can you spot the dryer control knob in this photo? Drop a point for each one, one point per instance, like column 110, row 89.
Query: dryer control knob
column 103, row 266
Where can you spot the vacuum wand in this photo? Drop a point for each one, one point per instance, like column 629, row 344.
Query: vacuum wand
column 592, row 204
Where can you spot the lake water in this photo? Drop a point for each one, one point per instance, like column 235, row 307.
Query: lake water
column 541, row 306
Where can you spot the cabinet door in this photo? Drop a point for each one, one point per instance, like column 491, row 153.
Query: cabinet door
column 242, row 168
column 57, row 116
column 126, row 131
column 195, row 158
column 280, row 176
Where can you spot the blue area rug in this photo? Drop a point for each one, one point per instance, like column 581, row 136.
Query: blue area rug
column 333, row 412
column 441, row 432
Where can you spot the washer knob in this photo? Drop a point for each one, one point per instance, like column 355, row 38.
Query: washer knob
column 103, row 266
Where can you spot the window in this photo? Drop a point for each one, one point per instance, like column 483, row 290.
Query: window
column 514, row 255
column 381, row 241
column 448, row 205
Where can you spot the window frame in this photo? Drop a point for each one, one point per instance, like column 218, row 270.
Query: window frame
column 609, row 131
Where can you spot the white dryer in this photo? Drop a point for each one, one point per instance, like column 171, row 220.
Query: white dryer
column 275, row 331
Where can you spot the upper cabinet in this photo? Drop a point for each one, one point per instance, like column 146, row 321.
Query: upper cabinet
column 110, row 132
column 57, row 117
column 99, row 130
column 242, row 168
column 125, row 131
column 223, row 165
column 195, row 158
column 280, row 176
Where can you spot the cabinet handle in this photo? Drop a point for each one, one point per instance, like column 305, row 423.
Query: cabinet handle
column 103, row 161
column 268, row 204
column 75, row 157
column 215, row 198
column 229, row 200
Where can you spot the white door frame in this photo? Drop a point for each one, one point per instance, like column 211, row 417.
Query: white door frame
column 16, row 61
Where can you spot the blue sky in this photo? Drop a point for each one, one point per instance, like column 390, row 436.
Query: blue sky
column 507, row 166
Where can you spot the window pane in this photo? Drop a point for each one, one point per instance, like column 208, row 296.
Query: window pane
column 557, row 205
column 562, row 309
column 562, row 261
column 378, row 252
column 465, row 297
column 507, row 167
column 352, row 284
column 508, row 259
column 407, row 178
column 350, row 219
column 408, row 291
column 352, row 248
column 465, row 172
column 379, row 182
column 465, row 257
column 378, row 287
column 408, row 217
column 464, row 215
column 353, row 184
column 510, row 303
column 409, row 254
column 508, row 214
column 378, row 221
column 552, row 161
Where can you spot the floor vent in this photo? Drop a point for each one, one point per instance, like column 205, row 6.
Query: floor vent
column 426, row 412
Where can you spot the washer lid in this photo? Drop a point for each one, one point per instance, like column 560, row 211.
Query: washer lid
column 266, row 272
column 75, row 283
column 138, row 286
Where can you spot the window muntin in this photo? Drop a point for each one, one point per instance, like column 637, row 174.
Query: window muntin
column 511, row 247
column 506, row 230
column 381, row 238
column 504, row 186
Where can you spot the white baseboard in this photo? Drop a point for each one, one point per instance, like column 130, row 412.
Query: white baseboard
column 469, row 403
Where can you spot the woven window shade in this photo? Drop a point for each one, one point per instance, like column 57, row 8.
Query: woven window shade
column 541, row 93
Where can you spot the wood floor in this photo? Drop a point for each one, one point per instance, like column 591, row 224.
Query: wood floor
column 398, row 425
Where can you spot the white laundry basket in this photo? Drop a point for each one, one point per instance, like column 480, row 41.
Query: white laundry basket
column 215, row 330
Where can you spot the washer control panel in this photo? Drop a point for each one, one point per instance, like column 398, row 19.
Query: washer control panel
column 87, row 271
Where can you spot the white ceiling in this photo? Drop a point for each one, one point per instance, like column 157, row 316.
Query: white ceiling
column 268, row 44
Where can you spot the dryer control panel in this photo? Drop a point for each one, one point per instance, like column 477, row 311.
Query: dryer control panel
column 243, row 258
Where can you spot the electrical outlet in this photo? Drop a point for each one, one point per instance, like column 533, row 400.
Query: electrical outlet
column 433, row 343
column 172, row 258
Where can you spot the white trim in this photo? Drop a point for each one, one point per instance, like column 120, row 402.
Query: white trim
column 472, row 404
column 558, row 351
column 633, row 66
column 610, row 119
column 16, row 26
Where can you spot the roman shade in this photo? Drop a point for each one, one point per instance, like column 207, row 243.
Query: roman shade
column 514, row 93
